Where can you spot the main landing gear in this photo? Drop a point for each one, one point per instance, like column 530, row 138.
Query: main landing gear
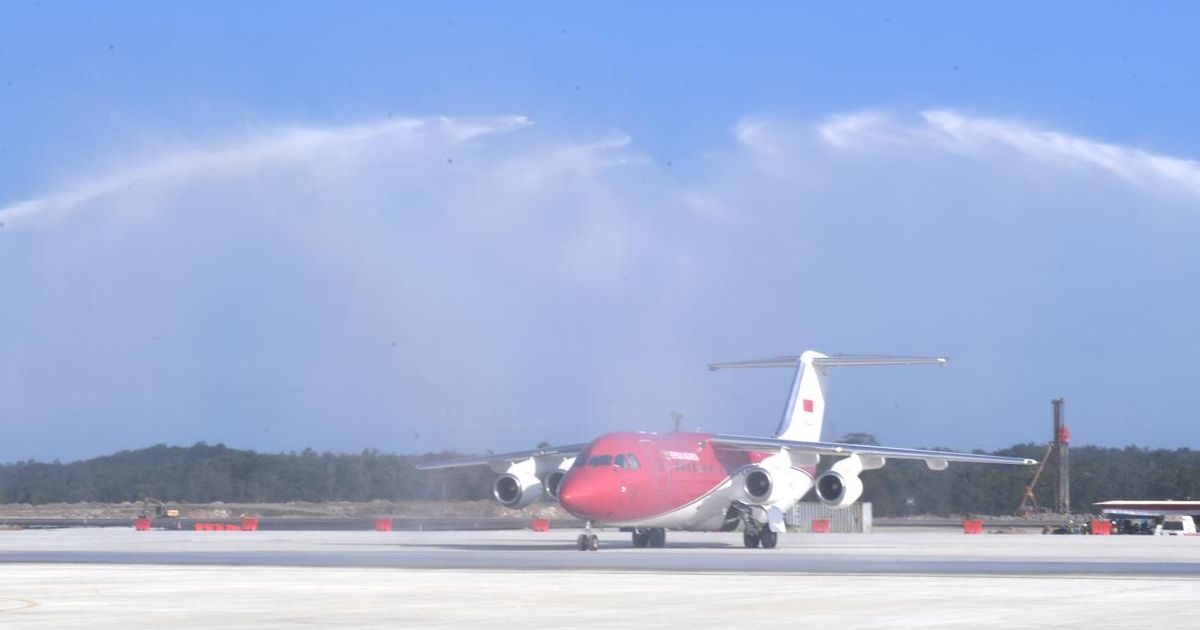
column 653, row 537
column 754, row 534
column 587, row 541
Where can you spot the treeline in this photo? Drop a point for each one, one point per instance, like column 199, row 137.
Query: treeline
column 203, row 473
column 1097, row 474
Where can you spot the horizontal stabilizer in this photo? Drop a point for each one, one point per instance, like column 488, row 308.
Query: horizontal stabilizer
column 850, row 360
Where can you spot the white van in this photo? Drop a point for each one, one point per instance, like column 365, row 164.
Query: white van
column 1176, row 525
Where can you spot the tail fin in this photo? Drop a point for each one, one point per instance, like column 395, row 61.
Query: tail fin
column 805, row 411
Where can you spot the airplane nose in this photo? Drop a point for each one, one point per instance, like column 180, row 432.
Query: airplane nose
column 577, row 496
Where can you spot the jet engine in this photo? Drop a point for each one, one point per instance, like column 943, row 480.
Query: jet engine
column 555, row 477
column 772, row 485
column 840, row 486
column 838, row 490
column 758, row 484
column 553, row 481
column 517, row 488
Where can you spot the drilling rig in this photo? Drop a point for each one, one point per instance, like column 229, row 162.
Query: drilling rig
column 1057, row 451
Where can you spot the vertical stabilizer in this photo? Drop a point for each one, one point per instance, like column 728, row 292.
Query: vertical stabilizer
column 804, row 413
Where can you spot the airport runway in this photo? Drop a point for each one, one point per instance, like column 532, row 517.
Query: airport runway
column 77, row 577
column 952, row 554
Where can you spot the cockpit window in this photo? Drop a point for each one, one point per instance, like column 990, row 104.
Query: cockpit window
column 580, row 459
column 600, row 460
column 619, row 462
column 631, row 461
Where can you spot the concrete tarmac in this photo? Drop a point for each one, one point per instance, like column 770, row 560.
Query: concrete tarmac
column 112, row 577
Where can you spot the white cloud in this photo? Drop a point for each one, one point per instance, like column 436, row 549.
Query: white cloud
column 952, row 131
column 850, row 130
column 287, row 145
column 1150, row 171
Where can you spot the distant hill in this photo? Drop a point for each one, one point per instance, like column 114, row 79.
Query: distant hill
column 203, row 473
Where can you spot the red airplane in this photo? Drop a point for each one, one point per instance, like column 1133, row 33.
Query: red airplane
column 650, row 482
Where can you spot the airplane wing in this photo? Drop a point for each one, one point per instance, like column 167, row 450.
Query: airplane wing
column 551, row 452
column 936, row 460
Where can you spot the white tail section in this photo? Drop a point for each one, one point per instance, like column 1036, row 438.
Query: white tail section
column 805, row 410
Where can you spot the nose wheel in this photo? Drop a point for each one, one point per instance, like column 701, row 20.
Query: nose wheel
column 587, row 541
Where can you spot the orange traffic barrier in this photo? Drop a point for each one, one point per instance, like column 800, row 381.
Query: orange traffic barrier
column 249, row 523
column 1101, row 527
column 383, row 524
column 141, row 523
column 821, row 526
column 972, row 526
column 540, row 524
column 219, row 527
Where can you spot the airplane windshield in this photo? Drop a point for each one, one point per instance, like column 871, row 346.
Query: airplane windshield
column 600, row 460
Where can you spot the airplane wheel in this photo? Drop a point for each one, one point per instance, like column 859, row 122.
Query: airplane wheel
column 658, row 537
column 750, row 539
column 593, row 542
column 641, row 539
column 581, row 543
column 769, row 539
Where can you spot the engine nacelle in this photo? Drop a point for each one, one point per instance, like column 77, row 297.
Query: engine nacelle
column 773, row 485
column 840, row 486
column 838, row 490
column 517, row 489
column 758, row 484
column 553, row 481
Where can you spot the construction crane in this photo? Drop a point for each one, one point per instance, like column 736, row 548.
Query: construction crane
column 1029, row 500
column 1059, row 448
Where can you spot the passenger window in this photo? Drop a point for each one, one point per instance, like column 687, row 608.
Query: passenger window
column 619, row 462
column 600, row 460
column 631, row 461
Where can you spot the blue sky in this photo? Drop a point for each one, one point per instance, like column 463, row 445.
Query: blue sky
column 293, row 225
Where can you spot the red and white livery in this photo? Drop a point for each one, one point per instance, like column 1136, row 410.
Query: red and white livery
column 652, row 482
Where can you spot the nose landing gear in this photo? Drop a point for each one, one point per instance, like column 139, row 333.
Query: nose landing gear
column 587, row 541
